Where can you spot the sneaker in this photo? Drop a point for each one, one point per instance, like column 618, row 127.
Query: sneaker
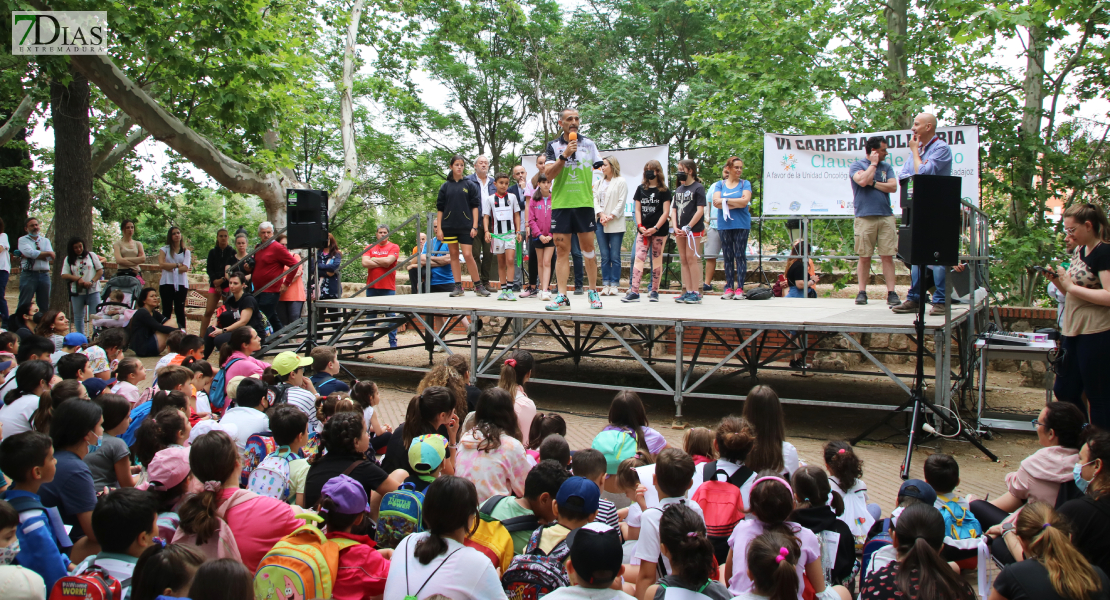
column 631, row 297
column 578, row 291
column 728, row 295
column 510, row 296
column 653, row 296
column 738, row 294
column 607, row 290
column 501, row 294
column 595, row 299
column 798, row 363
column 909, row 306
column 481, row 290
column 936, row 309
column 892, row 299
column 527, row 293
column 545, row 295
column 694, row 298
column 458, row 291
column 705, row 287
column 681, row 298
column 561, row 302
column 861, row 298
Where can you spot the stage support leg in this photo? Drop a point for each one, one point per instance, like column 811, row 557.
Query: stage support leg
column 678, row 329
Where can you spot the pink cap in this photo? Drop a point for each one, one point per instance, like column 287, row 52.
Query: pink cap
column 168, row 469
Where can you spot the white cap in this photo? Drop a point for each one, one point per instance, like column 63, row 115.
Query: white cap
column 207, row 425
column 18, row 583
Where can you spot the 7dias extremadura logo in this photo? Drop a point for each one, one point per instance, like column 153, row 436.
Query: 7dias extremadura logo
column 59, row 32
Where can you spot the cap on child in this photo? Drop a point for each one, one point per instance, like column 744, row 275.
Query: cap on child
column 582, row 489
column 924, row 492
column 74, row 339
column 168, row 469
column 287, row 362
column 595, row 552
column 346, row 494
column 427, row 452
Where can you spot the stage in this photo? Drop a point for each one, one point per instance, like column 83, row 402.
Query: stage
column 668, row 340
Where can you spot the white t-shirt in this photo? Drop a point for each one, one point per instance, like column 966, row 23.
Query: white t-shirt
column 5, row 253
column 16, row 417
column 647, row 547
column 790, row 457
column 9, row 383
column 463, row 573
column 175, row 277
column 203, row 405
column 580, row 593
column 86, row 269
column 367, row 413
column 165, row 361
column 249, row 421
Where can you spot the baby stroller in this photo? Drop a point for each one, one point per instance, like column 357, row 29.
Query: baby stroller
column 121, row 311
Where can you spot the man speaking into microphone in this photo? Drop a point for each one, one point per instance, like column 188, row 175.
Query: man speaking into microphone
column 570, row 163
column 930, row 156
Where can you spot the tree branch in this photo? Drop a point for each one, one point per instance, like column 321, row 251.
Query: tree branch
column 346, row 114
column 118, row 152
column 18, row 119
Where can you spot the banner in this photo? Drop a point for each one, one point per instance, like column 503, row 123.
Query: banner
column 632, row 161
column 808, row 174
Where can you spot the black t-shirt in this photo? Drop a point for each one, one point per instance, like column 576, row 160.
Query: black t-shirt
column 1098, row 259
column 1029, row 580
column 235, row 307
column 370, row 475
column 1090, row 521
column 653, row 206
column 687, row 199
column 795, row 272
column 397, row 455
column 473, row 392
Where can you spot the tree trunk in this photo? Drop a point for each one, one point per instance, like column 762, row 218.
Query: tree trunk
column 1029, row 145
column 896, row 60
column 15, row 200
column 69, row 106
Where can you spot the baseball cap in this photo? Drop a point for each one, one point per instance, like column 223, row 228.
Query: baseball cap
column 94, row 386
column 233, row 386
column 287, row 362
column 167, row 469
column 207, row 425
column 581, row 488
column 5, row 364
column 924, row 492
column 617, row 446
column 426, row 452
column 347, row 494
column 75, row 339
column 20, row 583
column 595, row 550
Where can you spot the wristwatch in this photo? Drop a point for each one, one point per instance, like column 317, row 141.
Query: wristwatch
column 562, row 158
column 1007, row 528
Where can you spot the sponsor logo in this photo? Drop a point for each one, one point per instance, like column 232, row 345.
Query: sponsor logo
column 789, row 162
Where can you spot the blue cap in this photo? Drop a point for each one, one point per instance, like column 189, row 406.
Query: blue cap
column 94, row 386
column 924, row 492
column 581, row 488
column 75, row 339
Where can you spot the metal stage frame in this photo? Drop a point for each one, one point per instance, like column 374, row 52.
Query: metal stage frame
column 639, row 328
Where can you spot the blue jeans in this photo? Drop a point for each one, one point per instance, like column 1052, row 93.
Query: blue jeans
column 267, row 303
column 794, row 292
column 374, row 292
column 4, row 275
column 35, row 285
column 79, row 302
column 939, row 273
column 610, row 246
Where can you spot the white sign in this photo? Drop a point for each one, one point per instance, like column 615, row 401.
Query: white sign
column 59, row 32
column 632, row 161
column 808, row 174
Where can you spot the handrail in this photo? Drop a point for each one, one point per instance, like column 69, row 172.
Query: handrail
column 273, row 238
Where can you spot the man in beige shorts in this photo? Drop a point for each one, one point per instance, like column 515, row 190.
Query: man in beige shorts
column 873, row 181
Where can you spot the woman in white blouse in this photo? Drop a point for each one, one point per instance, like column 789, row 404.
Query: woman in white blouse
column 174, row 259
column 610, row 196
column 82, row 269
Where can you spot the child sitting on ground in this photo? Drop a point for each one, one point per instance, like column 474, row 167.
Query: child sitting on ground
column 289, row 427
column 165, row 571
column 817, row 508
column 126, row 523
column 845, row 470
column 365, row 394
column 961, row 528
column 110, row 463
column 540, row 490
column 674, row 474
column 698, row 443
column 684, row 543
column 28, row 461
column 590, row 464
column 594, row 565
column 912, row 491
column 426, row 454
column 363, row 569
column 168, row 481
column 543, row 425
column 129, row 374
column 628, row 483
column 556, row 448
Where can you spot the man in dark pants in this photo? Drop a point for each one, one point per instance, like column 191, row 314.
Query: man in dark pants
column 481, row 248
column 269, row 262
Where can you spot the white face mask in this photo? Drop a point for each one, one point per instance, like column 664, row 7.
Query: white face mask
column 7, row 555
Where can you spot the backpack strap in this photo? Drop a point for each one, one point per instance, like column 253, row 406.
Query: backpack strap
column 409, row 595
column 25, row 503
column 741, row 476
column 709, row 471
column 488, row 506
column 350, row 469
column 521, row 523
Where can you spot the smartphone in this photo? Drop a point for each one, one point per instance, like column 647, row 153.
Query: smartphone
column 1045, row 272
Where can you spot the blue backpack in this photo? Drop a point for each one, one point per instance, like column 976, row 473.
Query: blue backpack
column 401, row 513
column 873, row 545
column 962, row 527
column 217, row 396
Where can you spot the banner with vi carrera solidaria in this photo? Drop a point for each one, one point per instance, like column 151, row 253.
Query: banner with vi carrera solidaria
column 808, row 174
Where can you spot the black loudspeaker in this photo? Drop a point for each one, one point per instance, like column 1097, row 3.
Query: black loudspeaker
column 307, row 212
column 930, row 229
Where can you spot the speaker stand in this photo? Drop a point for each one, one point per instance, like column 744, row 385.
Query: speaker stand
column 917, row 399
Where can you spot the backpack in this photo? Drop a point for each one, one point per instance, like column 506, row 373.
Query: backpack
column 222, row 544
column 401, row 513
column 217, row 394
column 535, row 574
column 722, row 505
column 779, row 287
column 302, row 564
column 92, row 584
column 873, row 545
column 258, row 447
column 271, row 477
column 312, row 446
column 962, row 527
column 494, row 538
column 278, row 394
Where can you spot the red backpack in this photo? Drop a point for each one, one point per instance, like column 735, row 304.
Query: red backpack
column 722, row 505
column 92, row 584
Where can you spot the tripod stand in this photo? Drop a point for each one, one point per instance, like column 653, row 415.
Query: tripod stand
column 917, row 396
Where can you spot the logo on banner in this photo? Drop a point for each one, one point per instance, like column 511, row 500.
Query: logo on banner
column 795, row 205
column 818, row 206
column 789, row 162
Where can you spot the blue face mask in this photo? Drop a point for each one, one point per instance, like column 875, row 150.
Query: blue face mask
column 1077, row 475
column 93, row 448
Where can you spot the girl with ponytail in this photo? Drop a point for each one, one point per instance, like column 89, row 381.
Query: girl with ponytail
column 919, row 573
column 255, row 522
column 32, row 381
column 491, row 454
column 845, row 470
column 515, row 372
column 772, row 502
column 432, row 410
column 817, row 509
column 1054, row 569
column 627, row 414
column 684, row 542
column 168, row 429
column 773, row 563
column 437, row 561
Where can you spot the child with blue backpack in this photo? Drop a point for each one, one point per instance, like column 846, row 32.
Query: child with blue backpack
column 961, row 528
column 283, row 472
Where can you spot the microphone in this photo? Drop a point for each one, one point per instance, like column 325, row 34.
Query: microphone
column 573, row 136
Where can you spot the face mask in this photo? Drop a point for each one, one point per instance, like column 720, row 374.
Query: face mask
column 92, row 448
column 649, row 174
column 7, row 555
column 681, row 176
column 1077, row 475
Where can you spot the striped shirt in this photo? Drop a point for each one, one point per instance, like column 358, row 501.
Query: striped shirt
column 607, row 513
column 306, row 401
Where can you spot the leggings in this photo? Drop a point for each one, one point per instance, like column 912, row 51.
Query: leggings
column 641, row 254
column 734, row 244
column 1084, row 371
column 173, row 301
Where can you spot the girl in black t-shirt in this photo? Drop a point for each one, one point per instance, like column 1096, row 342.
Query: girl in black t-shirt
column 687, row 211
column 653, row 207
column 1090, row 514
column 241, row 309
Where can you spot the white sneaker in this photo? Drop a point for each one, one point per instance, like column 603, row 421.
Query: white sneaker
column 545, row 296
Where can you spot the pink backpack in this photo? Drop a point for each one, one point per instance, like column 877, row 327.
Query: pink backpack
column 221, row 545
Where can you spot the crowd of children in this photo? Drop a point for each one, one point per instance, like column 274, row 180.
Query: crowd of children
column 261, row 482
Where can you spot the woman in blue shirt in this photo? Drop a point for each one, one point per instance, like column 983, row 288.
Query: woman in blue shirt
column 734, row 223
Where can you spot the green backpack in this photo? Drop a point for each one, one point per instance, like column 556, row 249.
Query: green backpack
column 302, row 564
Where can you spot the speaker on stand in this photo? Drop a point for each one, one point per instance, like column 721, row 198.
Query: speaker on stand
column 307, row 215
